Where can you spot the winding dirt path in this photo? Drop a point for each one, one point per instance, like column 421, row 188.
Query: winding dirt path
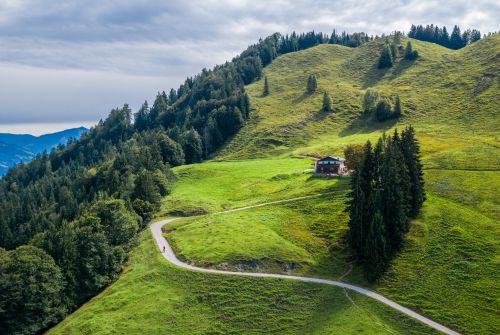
column 156, row 230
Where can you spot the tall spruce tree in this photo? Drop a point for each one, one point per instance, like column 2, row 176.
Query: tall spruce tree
column 394, row 51
column 375, row 250
column 411, row 153
column 360, row 214
column 386, row 59
column 397, row 37
column 456, row 41
column 327, row 103
column 370, row 100
column 141, row 118
column 397, row 107
column 410, row 54
column 265, row 90
column 394, row 196
column 383, row 112
column 445, row 38
column 312, row 84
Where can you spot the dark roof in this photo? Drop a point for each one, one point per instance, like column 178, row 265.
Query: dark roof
column 330, row 159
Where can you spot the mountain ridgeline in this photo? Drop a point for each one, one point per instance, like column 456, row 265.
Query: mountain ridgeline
column 69, row 218
column 15, row 148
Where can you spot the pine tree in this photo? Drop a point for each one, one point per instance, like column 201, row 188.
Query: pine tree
column 397, row 37
column 141, row 118
column 410, row 54
column 475, row 36
column 160, row 105
column 382, row 195
column 394, row 51
column 378, row 160
column 245, row 106
column 356, row 210
column 361, row 192
column 370, row 100
column 327, row 103
column 397, row 108
column 394, row 195
column 312, row 84
column 386, row 59
column 456, row 41
column 212, row 137
column 375, row 251
column 383, row 112
column 445, row 38
column 193, row 146
column 411, row 153
column 265, row 91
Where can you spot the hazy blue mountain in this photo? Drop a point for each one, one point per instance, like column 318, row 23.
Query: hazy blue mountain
column 15, row 148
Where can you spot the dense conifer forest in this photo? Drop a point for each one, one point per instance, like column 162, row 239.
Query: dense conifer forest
column 455, row 40
column 387, row 189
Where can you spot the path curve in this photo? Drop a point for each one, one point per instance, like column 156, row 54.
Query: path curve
column 156, row 230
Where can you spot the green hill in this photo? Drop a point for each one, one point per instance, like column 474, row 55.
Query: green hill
column 448, row 269
column 451, row 96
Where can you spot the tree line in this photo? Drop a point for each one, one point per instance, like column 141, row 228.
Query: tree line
column 295, row 42
column 387, row 190
column 435, row 34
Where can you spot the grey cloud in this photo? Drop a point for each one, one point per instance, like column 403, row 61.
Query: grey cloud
column 119, row 51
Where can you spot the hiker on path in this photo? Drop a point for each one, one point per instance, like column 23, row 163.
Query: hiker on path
column 163, row 249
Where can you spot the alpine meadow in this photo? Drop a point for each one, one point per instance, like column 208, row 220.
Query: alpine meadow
column 337, row 183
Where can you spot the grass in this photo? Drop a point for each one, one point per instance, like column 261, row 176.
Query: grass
column 449, row 267
column 303, row 237
column 215, row 186
column 449, row 95
column 153, row 297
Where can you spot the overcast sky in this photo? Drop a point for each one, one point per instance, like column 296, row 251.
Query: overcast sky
column 70, row 62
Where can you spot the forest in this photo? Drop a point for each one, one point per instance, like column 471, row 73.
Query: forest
column 435, row 34
column 387, row 190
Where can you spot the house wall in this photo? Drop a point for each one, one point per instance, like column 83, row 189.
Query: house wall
column 329, row 168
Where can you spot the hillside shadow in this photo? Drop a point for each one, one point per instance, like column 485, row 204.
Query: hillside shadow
column 365, row 124
column 374, row 75
column 302, row 97
column 323, row 114
column 402, row 66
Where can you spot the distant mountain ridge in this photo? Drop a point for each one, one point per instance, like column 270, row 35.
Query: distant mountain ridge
column 16, row 148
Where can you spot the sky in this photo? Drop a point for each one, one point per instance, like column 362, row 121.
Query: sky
column 68, row 63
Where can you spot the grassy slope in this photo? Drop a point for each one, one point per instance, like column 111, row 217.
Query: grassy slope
column 301, row 235
column 448, row 270
column 153, row 297
column 449, row 95
column 214, row 186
